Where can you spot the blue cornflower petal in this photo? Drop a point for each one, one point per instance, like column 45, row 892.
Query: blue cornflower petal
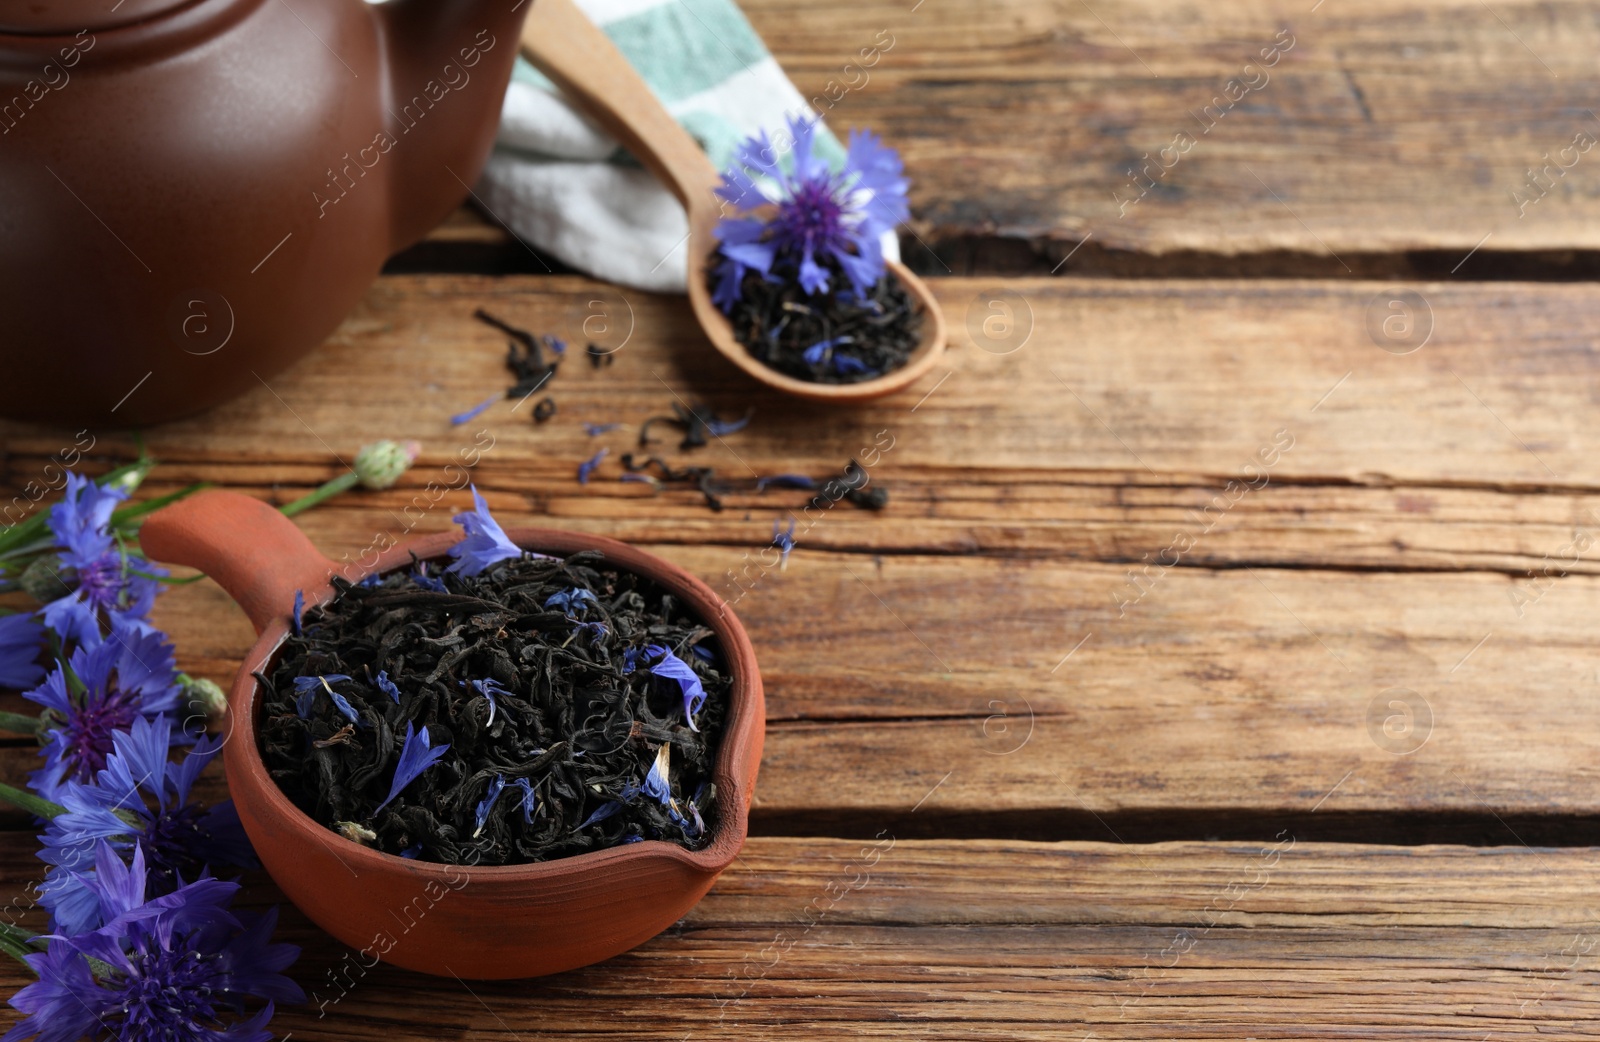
column 530, row 802
column 846, row 364
column 496, row 785
column 307, row 688
column 21, row 644
column 344, row 707
column 813, row 276
column 704, row 652
column 783, row 540
column 657, row 784
column 388, row 686
column 488, row 689
column 299, row 607
column 412, row 851
column 572, row 601
column 594, row 430
column 671, row 667
column 786, row 481
column 721, row 427
column 416, row 756
column 556, row 345
column 420, row 576
column 604, row 811
column 588, row 466
column 596, row 630
column 815, row 352
column 484, row 544
column 477, row 410
column 370, row 581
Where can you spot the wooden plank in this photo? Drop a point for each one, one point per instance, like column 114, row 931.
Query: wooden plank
column 1388, row 547
column 1333, row 140
column 945, row 939
column 1422, row 127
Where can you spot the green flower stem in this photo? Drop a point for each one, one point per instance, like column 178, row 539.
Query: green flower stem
column 328, row 490
column 15, row 948
column 29, row 802
column 21, row 723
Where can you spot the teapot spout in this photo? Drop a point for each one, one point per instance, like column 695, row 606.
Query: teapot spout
column 447, row 63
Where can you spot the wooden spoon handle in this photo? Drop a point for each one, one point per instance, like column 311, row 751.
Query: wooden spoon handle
column 562, row 43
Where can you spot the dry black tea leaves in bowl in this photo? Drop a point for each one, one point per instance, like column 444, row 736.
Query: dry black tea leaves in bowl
column 510, row 708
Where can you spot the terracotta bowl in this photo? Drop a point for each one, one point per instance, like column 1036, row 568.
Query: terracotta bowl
column 471, row 922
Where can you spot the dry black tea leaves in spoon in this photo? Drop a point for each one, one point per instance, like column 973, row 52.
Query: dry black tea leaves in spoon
column 834, row 338
column 511, row 708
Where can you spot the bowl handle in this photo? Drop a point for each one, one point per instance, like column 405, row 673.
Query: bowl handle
column 253, row 552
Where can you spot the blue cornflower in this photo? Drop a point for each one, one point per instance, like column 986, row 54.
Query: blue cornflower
column 488, row 689
column 420, row 576
column 819, row 214
column 571, row 601
column 496, row 785
column 169, row 967
column 484, row 544
column 473, row 413
column 388, row 686
column 109, row 587
column 671, row 667
column 587, row 467
column 299, row 609
column 416, row 756
column 306, row 695
column 21, row 641
column 130, row 675
column 784, row 541
column 180, row 838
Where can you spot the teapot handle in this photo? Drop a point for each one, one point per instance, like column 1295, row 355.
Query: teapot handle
column 252, row 551
column 566, row 46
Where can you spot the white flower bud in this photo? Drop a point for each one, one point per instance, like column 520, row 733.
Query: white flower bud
column 380, row 464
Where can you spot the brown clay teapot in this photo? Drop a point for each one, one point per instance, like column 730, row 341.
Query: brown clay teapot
column 193, row 193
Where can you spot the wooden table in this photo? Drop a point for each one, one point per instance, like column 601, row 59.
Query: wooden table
column 1225, row 662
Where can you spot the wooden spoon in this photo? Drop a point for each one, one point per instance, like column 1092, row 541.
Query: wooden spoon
column 561, row 41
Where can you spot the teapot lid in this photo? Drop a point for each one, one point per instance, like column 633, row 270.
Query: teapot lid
column 66, row 18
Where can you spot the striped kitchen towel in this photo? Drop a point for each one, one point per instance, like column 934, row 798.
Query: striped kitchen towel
column 570, row 191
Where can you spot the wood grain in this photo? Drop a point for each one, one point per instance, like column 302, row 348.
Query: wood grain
column 896, row 938
column 1388, row 547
